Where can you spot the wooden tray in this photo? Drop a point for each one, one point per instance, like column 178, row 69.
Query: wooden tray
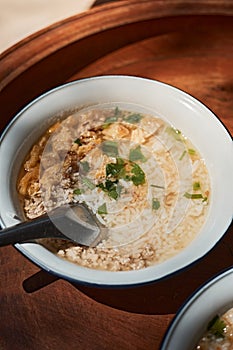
column 188, row 44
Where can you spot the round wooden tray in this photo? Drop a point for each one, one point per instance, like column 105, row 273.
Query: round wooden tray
column 188, row 44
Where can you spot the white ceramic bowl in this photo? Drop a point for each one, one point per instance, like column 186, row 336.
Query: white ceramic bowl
column 213, row 298
column 197, row 122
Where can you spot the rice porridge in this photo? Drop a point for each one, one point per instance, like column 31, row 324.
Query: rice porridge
column 219, row 333
column 140, row 176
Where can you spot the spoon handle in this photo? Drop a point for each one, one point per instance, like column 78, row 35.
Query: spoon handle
column 40, row 227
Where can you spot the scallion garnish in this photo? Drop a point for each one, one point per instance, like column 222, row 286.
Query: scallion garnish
column 113, row 193
column 196, row 186
column 182, row 155
column 217, row 327
column 78, row 141
column 77, row 191
column 138, row 176
column 112, row 118
column 116, row 170
column 127, row 171
column 102, row 210
column 88, row 183
column 111, row 188
column 133, row 118
column 191, row 151
column 193, row 195
column 155, row 204
column 136, row 154
column 157, row 186
column 174, row 133
column 84, row 167
column 110, row 148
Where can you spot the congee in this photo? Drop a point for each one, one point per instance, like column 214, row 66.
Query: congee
column 141, row 177
column 219, row 333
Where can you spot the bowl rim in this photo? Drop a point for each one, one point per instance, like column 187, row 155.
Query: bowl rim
column 20, row 247
column 118, row 76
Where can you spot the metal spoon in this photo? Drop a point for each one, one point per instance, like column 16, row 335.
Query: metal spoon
column 75, row 223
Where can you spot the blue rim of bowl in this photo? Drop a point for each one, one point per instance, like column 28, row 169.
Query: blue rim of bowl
column 77, row 281
column 95, row 284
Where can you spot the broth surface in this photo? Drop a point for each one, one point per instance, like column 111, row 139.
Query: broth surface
column 142, row 178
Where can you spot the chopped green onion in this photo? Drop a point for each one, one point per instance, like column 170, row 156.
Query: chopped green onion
column 127, row 177
column 78, row 141
column 193, row 195
column 110, row 185
column 155, row 204
column 88, row 183
column 111, row 188
column 191, row 151
column 133, row 118
column 115, row 190
column 112, row 119
column 157, row 186
column 110, row 148
column 119, row 189
column 113, row 194
column 182, row 155
column 102, row 187
column 217, row 327
column 77, row 191
column 116, row 169
column 117, row 111
column 138, row 176
column 196, row 186
column 102, row 210
column 85, row 167
column 136, row 154
column 174, row 133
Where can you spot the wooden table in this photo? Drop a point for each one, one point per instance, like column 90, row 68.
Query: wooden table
column 188, row 44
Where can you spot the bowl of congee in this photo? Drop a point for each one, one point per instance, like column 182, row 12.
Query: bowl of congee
column 152, row 164
column 205, row 320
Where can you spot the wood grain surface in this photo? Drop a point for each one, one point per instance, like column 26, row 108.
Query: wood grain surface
column 188, row 44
